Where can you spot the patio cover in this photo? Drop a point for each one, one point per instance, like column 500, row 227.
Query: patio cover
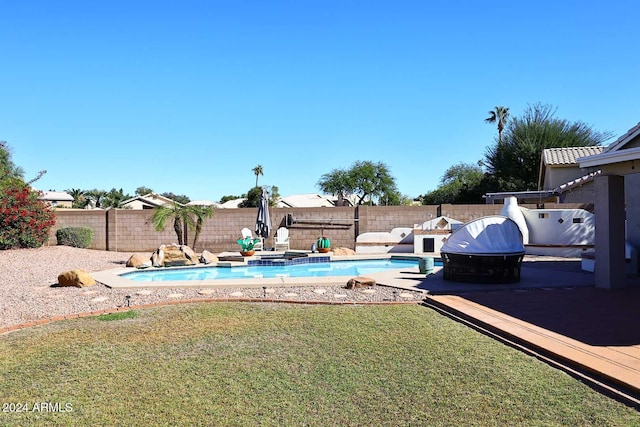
column 489, row 235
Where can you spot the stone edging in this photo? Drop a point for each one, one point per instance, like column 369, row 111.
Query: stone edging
column 48, row 320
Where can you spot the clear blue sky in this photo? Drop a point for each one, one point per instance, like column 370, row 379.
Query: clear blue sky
column 189, row 96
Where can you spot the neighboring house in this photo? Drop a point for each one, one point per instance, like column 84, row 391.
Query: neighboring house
column 617, row 206
column 203, row 203
column 231, row 204
column 57, row 199
column 561, row 179
column 148, row 201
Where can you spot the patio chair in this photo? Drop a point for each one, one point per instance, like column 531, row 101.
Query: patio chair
column 281, row 239
column 247, row 233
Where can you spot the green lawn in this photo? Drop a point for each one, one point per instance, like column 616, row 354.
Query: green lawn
column 261, row 364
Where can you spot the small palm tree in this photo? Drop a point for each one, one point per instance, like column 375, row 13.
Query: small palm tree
column 178, row 213
column 498, row 115
column 192, row 216
column 257, row 171
column 201, row 213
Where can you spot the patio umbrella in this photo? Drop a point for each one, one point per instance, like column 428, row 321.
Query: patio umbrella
column 263, row 221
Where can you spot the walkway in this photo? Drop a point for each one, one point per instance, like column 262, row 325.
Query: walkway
column 556, row 312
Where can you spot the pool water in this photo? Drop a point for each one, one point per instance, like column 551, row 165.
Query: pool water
column 334, row 268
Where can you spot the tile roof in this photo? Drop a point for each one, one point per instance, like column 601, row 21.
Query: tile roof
column 568, row 156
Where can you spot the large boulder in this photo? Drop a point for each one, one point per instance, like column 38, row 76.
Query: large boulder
column 207, row 257
column 78, row 278
column 174, row 255
column 138, row 261
column 360, row 282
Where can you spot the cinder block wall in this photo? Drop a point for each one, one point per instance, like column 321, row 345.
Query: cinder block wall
column 94, row 219
column 133, row 231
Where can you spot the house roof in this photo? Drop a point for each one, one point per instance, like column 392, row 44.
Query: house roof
column 568, row 156
column 624, row 139
column 60, row 196
column 310, row 200
column 615, row 152
column 151, row 199
column 202, row 203
column 231, row 204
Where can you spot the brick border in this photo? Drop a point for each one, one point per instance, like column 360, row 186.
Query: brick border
column 7, row 329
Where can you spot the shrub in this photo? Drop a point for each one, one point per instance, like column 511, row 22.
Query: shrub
column 25, row 220
column 78, row 237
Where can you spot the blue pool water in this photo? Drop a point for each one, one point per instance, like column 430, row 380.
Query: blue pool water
column 335, row 268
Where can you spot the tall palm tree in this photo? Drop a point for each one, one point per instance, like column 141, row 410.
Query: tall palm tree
column 499, row 115
column 257, row 171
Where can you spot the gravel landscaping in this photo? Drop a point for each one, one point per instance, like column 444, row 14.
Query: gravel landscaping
column 28, row 291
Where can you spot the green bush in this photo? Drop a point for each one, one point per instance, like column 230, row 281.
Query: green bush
column 78, row 237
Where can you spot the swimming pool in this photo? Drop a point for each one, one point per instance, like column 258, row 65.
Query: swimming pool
column 324, row 269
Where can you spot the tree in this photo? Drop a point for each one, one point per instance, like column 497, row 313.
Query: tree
column 114, row 198
column 498, row 115
column 192, row 216
column 459, row 184
column 252, row 198
column 180, row 214
column 79, row 199
column 227, row 198
column 180, row 198
column 257, row 171
column 96, row 197
column 365, row 179
column 143, row 191
column 201, row 213
column 514, row 163
column 25, row 220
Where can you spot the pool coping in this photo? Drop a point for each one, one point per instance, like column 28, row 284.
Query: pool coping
column 113, row 278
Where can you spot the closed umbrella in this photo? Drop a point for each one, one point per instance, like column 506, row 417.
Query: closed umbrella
column 263, row 221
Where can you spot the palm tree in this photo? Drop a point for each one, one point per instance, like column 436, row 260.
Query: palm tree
column 182, row 214
column 79, row 201
column 499, row 115
column 257, row 171
column 201, row 213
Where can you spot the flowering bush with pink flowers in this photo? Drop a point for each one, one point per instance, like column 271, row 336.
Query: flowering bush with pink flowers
column 25, row 220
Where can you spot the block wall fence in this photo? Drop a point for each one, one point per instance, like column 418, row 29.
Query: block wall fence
column 126, row 230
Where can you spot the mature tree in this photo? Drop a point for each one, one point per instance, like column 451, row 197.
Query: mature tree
column 365, row 179
column 514, row 163
column 252, row 198
column 79, row 199
column 498, row 115
column 143, row 191
column 180, row 198
column 114, row 198
column 257, row 171
column 8, row 169
column 457, row 185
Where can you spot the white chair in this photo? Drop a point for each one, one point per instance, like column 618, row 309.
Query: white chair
column 281, row 239
column 247, row 233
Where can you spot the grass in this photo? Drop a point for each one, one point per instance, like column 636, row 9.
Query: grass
column 249, row 364
column 118, row 316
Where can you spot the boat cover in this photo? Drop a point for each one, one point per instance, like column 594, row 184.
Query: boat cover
column 489, row 235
